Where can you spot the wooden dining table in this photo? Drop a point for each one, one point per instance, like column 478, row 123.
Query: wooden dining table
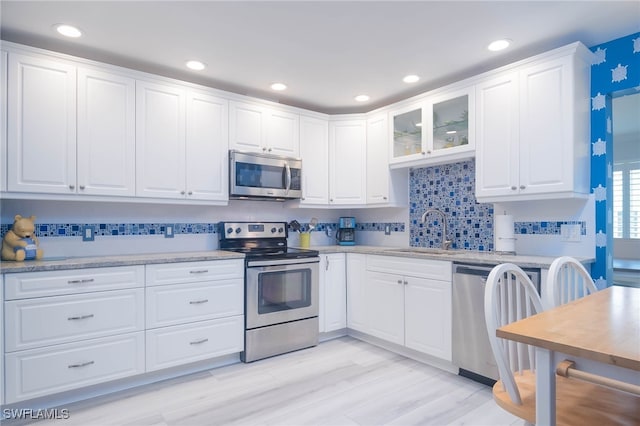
column 599, row 332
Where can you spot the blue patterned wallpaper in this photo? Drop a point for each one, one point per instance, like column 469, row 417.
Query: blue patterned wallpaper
column 616, row 69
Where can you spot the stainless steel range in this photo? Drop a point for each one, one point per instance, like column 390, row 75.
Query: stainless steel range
column 281, row 288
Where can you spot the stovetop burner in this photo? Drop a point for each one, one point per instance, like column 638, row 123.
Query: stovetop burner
column 259, row 240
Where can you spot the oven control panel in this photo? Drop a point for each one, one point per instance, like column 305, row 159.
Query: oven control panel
column 233, row 230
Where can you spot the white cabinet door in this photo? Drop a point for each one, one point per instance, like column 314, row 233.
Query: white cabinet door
column 497, row 150
column 428, row 316
column 246, row 127
column 160, row 140
column 181, row 344
column 283, row 133
column 377, row 161
column 2, row 338
column 314, row 151
column 258, row 128
column 356, row 292
column 3, row 128
column 44, row 371
column 385, row 306
column 207, row 144
column 347, row 162
column 106, row 133
column 333, row 309
column 546, row 130
column 41, row 125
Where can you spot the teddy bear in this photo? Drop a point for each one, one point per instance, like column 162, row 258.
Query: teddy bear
column 20, row 242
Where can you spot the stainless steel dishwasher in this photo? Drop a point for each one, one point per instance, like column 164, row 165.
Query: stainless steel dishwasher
column 471, row 349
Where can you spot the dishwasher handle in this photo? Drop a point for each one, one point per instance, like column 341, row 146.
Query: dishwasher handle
column 478, row 271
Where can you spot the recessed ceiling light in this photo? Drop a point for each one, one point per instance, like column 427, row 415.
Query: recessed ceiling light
column 195, row 65
column 411, row 78
column 362, row 98
column 68, row 30
column 278, row 86
column 494, row 46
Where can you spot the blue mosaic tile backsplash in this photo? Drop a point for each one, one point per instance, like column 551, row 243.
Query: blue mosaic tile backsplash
column 450, row 188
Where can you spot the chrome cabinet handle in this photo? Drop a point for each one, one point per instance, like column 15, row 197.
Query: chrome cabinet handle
column 197, row 342
column 81, row 317
column 82, row 187
column 72, row 187
column 264, row 148
column 522, row 187
column 513, row 188
column 200, row 271
column 197, row 302
column 405, row 282
column 423, row 153
column 399, row 281
column 326, row 267
column 83, row 281
column 82, row 364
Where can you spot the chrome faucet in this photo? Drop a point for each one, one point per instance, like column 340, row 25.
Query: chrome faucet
column 446, row 242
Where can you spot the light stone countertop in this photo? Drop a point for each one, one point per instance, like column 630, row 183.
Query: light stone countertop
column 56, row 264
column 460, row 256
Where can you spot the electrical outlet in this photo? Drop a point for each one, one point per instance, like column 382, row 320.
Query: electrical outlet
column 328, row 231
column 387, row 229
column 168, row 231
column 88, row 233
column 570, row 233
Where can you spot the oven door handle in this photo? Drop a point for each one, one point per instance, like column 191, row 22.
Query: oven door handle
column 298, row 261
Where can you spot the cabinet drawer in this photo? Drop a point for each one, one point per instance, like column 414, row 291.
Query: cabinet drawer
column 422, row 268
column 45, row 321
column 44, row 371
column 171, row 346
column 55, row 283
column 180, row 303
column 188, row 272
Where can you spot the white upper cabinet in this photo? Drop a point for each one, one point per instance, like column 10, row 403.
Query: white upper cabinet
column 258, row 128
column 41, row 125
column 106, row 133
column 314, row 151
column 533, row 129
column 435, row 130
column 160, row 140
column 72, row 128
column 181, row 148
column 377, row 160
column 207, row 145
column 347, row 162
column 3, row 126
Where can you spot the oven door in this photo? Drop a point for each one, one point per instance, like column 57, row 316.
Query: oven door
column 281, row 291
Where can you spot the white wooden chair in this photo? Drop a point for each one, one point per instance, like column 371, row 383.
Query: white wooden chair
column 567, row 280
column 510, row 296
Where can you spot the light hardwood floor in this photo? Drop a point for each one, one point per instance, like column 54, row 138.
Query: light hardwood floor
column 340, row 382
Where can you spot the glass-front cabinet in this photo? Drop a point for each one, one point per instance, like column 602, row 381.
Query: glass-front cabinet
column 438, row 129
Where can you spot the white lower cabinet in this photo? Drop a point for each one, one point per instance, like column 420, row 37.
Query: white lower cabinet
column 68, row 329
column 194, row 312
column 43, row 371
column 405, row 301
column 181, row 344
column 356, row 292
column 333, row 292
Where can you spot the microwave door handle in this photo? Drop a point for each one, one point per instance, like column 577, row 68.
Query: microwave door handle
column 287, row 177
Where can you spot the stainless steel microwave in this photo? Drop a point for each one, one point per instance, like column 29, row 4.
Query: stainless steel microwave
column 264, row 176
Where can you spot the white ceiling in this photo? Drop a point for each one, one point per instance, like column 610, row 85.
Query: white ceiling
column 327, row 52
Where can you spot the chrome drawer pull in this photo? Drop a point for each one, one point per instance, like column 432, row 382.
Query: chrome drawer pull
column 81, row 317
column 197, row 342
column 84, row 364
column 197, row 302
column 201, row 271
column 83, row 281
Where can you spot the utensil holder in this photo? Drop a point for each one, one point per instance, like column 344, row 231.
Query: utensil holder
column 305, row 239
